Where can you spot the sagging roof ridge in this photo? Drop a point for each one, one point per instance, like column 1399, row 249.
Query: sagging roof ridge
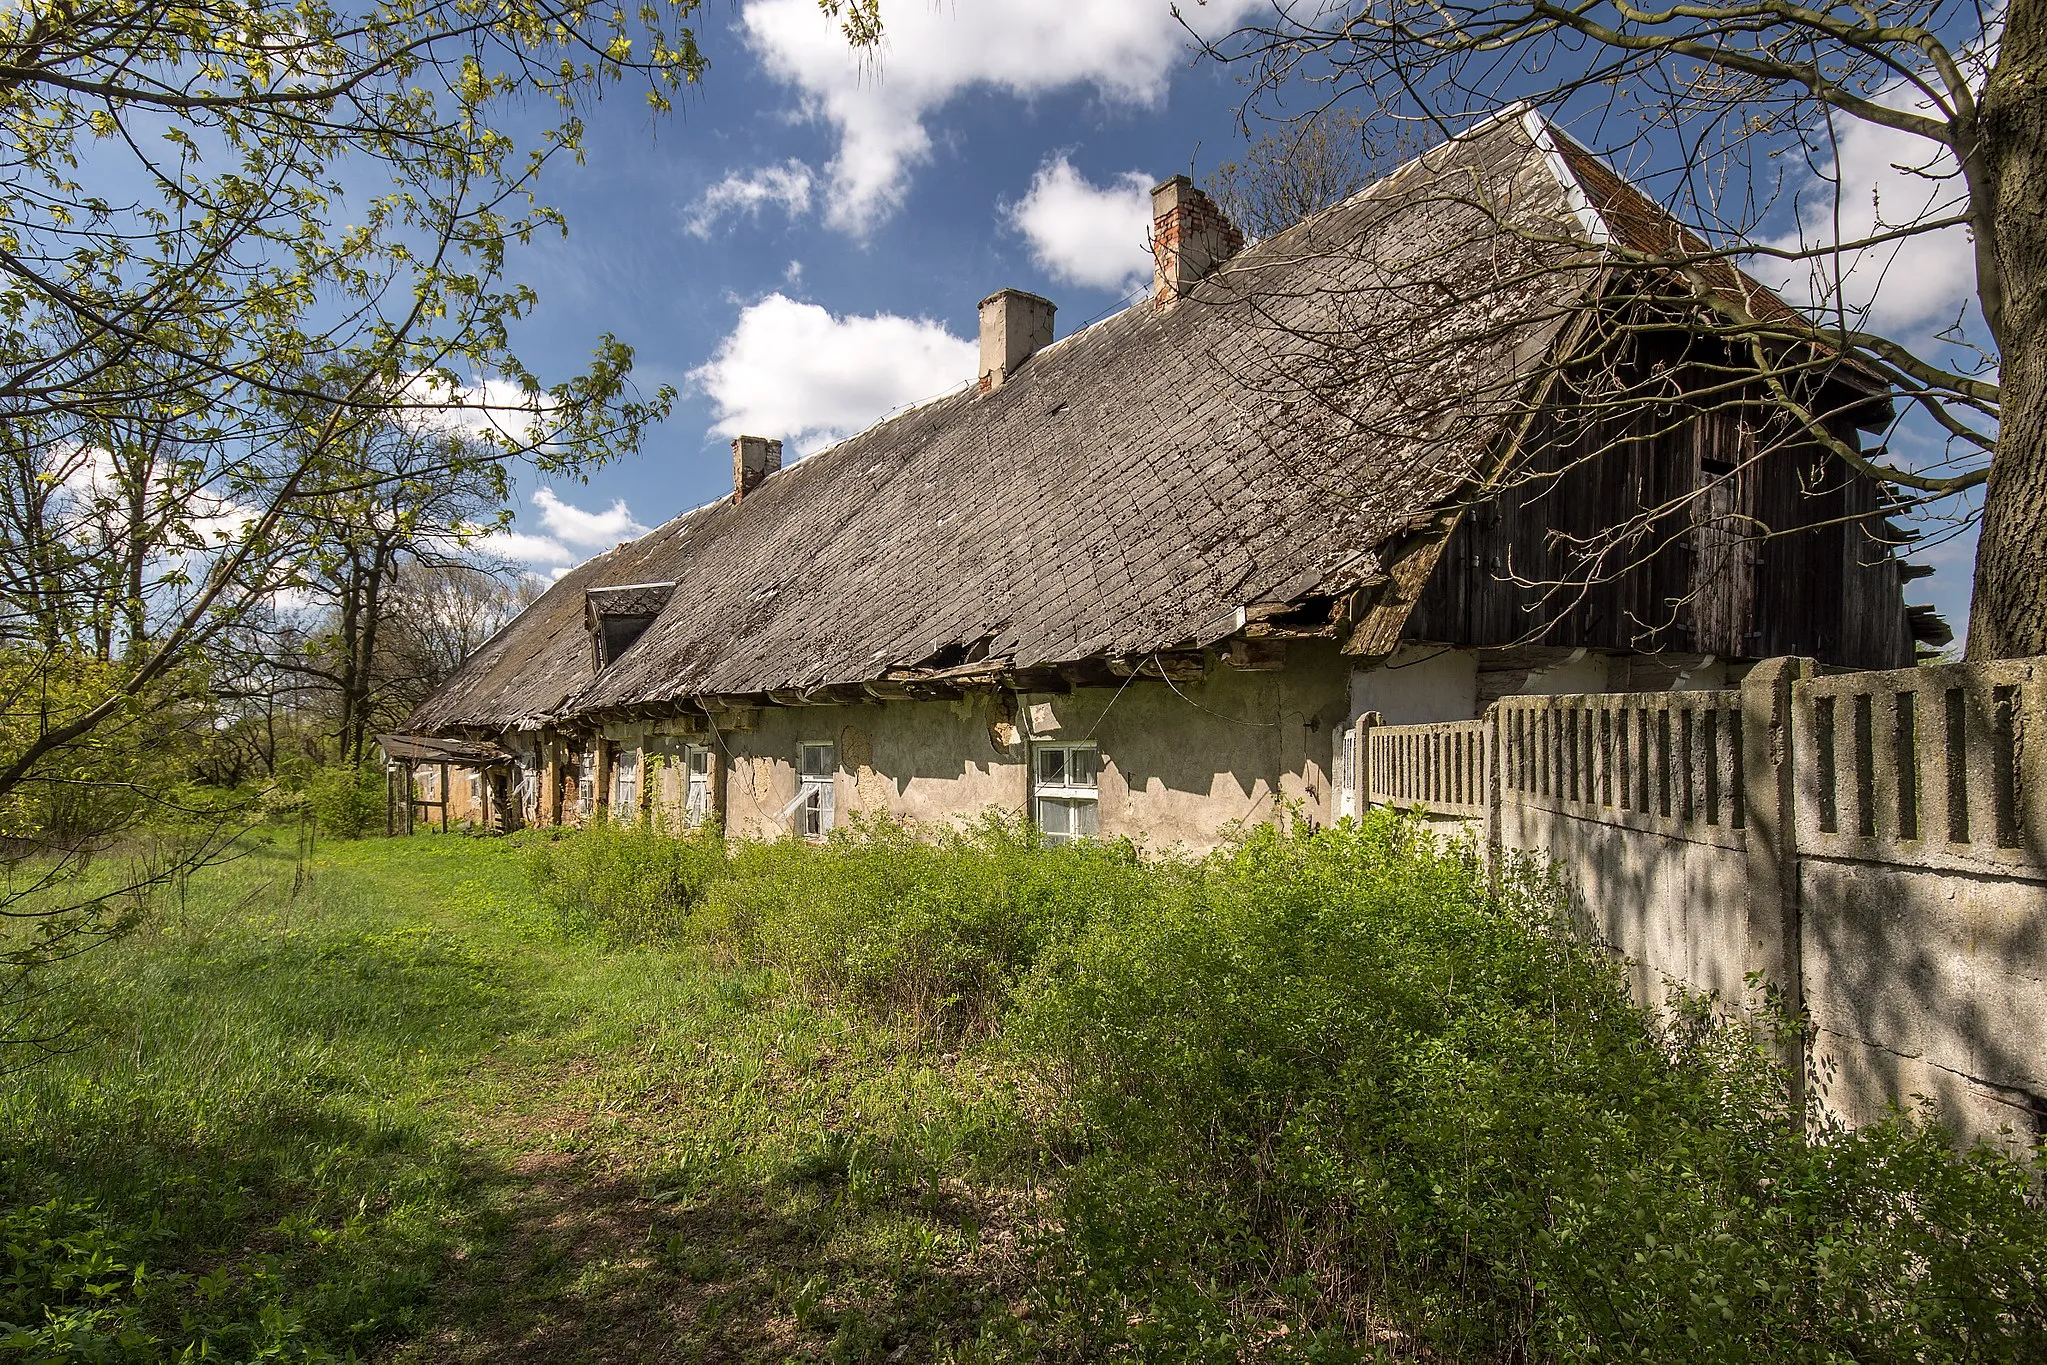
column 1186, row 502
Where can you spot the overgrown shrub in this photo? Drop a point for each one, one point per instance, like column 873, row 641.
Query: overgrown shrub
column 348, row 802
column 1324, row 1094
column 632, row 883
column 1330, row 1091
column 935, row 930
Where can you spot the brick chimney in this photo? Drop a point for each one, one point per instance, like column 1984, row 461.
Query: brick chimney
column 753, row 459
column 1189, row 238
column 1014, row 327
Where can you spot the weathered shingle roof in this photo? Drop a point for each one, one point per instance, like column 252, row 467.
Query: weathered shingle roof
column 1130, row 489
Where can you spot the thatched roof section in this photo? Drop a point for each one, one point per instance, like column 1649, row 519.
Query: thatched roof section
column 1133, row 488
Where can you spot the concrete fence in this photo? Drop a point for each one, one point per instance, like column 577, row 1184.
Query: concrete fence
column 1873, row 844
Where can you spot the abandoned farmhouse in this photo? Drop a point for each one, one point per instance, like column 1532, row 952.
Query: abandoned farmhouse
column 1426, row 450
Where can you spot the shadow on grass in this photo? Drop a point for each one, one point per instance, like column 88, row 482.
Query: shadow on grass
column 829, row 1260
column 229, row 1164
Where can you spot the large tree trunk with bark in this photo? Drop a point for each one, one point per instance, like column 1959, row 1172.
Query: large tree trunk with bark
column 2008, row 616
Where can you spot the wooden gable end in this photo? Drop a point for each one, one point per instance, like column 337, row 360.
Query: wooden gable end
column 1746, row 538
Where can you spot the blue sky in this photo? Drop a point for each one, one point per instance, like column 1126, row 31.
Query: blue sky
column 800, row 249
column 797, row 260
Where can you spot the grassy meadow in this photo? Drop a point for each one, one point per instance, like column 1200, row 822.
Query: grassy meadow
column 619, row 1097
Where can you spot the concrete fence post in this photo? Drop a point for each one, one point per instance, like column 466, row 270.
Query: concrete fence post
column 1493, row 757
column 1361, row 760
column 1769, row 809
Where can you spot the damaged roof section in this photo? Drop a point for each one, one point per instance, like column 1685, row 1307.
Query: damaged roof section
column 1146, row 485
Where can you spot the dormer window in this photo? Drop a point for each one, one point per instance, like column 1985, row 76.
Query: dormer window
column 617, row 617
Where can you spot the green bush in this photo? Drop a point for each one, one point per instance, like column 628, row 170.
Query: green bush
column 633, row 883
column 1331, row 1089
column 934, row 930
column 348, row 802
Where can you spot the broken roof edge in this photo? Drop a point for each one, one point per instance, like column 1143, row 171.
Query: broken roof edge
column 402, row 746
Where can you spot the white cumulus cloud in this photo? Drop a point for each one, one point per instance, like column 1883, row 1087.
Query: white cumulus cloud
column 1879, row 180
column 487, row 406
column 568, row 535
column 522, row 548
column 796, row 371
column 880, row 102
column 584, row 529
column 1087, row 234
column 787, row 185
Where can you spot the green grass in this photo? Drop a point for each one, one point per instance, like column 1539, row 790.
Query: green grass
column 403, row 1113
column 614, row 1098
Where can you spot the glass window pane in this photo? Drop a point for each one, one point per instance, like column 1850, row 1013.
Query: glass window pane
column 1052, row 767
column 699, row 760
column 1054, row 818
column 1081, row 767
column 817, row 760
column 1084, row 813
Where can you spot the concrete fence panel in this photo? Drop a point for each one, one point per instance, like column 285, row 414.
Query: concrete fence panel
column 1874, row 844
column 1922, row 888
column 1444, row 768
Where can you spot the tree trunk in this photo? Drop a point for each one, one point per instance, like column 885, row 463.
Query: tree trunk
column 2008, row 615
column 349, row 632
column 366, row 661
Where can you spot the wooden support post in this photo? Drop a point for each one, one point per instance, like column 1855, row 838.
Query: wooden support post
column 445, row 793
column 550, row 811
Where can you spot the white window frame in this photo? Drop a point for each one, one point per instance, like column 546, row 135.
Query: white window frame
column 586, row 784
column 815, row 780
column 1054, row 787
column 625, row 784
column 696, row 785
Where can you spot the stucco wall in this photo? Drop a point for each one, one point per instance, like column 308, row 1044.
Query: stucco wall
column 915, row 760
column 1418, row 684
column 1181, row 763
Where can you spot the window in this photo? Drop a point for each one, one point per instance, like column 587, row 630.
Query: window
column 625, row 784
column 1344, row 788
column 429, row 784
column 696, row 795
column 814, row 768
column 1067, row 796
column 586, row 784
